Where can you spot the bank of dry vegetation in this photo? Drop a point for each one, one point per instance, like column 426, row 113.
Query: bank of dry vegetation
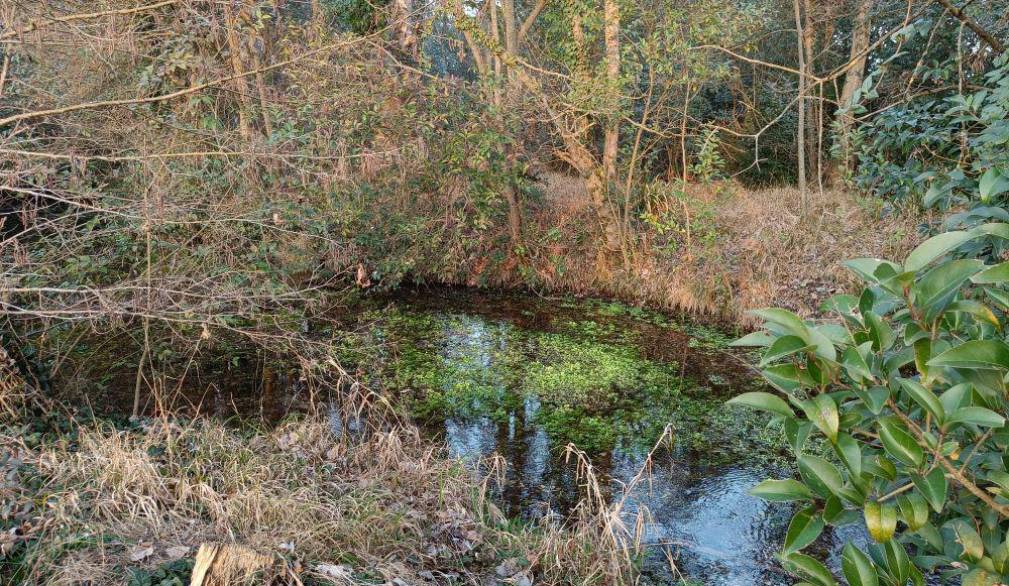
column 101, row 504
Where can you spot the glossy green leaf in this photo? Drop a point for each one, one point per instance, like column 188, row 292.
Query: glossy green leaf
column 977, row 354
column 874, row 398
column 913, row 510
column 796, row 432
column 805, row 527
column 820, row 475
column 933, row 487
column 788, row 377
column 925, row 398
column 782, row 347
column 850, row 453
column 782, row 490
column 937, row 287
column 976, row 309
column 857, row 567
column 808, row 568
column 855, row 365
column 993, row 275
column 969, row 540
column 822, row 411
column 763, row 402
column 760, row 338
column 992, row 184
column 976, row 416
column 867, row 267
column 898, row 442
column 935, row 247
column 880, row 332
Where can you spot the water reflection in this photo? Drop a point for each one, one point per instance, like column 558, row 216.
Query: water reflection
column 699, row 515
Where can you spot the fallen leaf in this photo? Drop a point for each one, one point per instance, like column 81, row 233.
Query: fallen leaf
column 177, row 552
column 141, row 551
column 340, row 572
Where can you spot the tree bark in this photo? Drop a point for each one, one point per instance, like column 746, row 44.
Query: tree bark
column 801, row 131
column 241, row 88
column 852, row 81
column 611, row 35
column 812, row 105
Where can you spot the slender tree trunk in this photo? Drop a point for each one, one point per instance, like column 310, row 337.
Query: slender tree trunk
column 683, row 134
column 402, row 12
column 495, row 35
column 510, row 28
column 812, row 105
column 801, row 132
column 316, row 12
column 852, row 81
column 611, row 34
column 263, row 99
column 241, row 89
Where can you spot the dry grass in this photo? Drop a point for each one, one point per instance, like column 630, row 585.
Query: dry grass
column 747, row 249
column 781, row 258
column 388, row 504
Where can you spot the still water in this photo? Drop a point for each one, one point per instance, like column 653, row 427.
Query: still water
column 522, row 378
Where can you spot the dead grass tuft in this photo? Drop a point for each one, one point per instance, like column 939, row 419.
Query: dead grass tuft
column 387, row 503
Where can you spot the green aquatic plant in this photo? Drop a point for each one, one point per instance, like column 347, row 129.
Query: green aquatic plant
column 590, row 383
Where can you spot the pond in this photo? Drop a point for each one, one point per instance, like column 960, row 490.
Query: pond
column 523, row 378
column 533, row 383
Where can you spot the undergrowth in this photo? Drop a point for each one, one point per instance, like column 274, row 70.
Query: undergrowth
column 102, row 504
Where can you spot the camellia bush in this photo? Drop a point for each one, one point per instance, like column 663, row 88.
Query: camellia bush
column 907, row 387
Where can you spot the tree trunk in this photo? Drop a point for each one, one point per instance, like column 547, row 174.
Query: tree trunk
column 510, row 28
column 852, row 81
column 402, row 13
column 241, row 89
column 611, row 34
column 801, row 131
column 812, row 105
